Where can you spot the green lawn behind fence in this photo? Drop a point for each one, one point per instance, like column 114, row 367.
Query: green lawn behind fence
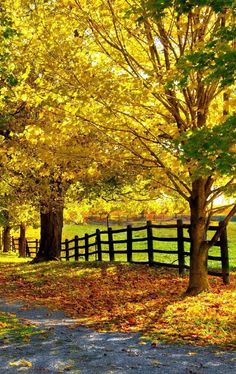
column 69, row 231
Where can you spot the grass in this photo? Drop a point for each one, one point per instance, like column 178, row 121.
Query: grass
column 13, row 329
column 11, row 257
column 127, row 298
column 69, row 232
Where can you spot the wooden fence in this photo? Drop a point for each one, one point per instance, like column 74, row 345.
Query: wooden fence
column 104, row 246
column 32, row 246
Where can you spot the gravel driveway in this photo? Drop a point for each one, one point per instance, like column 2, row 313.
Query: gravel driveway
column 80, row 350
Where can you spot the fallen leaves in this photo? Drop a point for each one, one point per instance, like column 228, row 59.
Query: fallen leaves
column 211, row 317
column 110, row 297
column 22, row 362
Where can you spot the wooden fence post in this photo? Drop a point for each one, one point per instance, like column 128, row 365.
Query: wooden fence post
column 67, row 249
column 99, row 247
column 111, row 244
column 224, row 255
column 76, row 248
column 28, row 254
column 129, row 243
column 150, row 243
column 13, row 247
column 180, row 236
column 86, row 249
column 22, row 240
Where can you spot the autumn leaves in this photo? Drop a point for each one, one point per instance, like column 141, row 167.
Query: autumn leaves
column 127, row 298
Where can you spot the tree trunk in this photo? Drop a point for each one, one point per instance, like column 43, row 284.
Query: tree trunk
column 22, row 241
column 198, row 278
column 51, row 234
column 1, row 233
column 6, row 238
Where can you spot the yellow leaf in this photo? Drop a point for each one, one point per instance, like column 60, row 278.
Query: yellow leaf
column 21, row 363
column 24, row 97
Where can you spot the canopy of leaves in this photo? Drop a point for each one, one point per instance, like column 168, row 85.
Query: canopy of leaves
column 186, row 6
column 206, row 146
column 216, row 59
column 94, row 75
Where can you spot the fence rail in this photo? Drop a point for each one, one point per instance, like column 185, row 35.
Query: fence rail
column 32, row 246
column 103, row 246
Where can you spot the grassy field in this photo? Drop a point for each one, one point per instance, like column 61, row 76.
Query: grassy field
column 69, row 231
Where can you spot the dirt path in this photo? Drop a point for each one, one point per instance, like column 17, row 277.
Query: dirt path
column 80, row 350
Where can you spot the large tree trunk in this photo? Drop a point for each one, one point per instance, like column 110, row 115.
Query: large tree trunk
column 6, row 238
column 51, row 234
column 198, row 279
column 22, row 241
column 1, row 241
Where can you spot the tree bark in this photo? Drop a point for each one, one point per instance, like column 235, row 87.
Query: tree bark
column 51, row 234
column 22, row 240
column 198, row 278
column 1, row 248
column 6, row 238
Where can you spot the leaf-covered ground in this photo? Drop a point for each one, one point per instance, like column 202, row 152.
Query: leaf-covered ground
column 110, row 297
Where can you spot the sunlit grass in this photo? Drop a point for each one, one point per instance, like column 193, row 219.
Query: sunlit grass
column 69, row 232
column 11, row 257
column 13, row 329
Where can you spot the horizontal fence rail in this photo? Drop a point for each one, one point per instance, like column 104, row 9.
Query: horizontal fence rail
column 32, row 246
column 105, row 246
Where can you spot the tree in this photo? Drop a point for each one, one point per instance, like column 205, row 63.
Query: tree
column 147, row 78
column 165, row 61
column 65, row 150
column 12, row 108
column 6, row 232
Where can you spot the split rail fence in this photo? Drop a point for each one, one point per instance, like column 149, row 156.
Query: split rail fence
column 175, row 251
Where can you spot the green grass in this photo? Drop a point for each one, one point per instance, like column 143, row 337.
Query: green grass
column 11, row 257
column 13, row 329
column 69, row 231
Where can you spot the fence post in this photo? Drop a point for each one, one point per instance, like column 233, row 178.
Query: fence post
column 111, row 244
column 13, row 248
column 86, row 249
column 129, row 243
column 150, row 242
column 76, row 248
column 99, row 247
column 28, row 254
column 67, row 249
column 224, row 255
column 180, row 236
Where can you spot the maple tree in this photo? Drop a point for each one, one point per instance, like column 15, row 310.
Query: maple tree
column 12, row 109
column 58, row 146
column 144, row 78
column 53, row 149
column 40, row 175
column 165, row 61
